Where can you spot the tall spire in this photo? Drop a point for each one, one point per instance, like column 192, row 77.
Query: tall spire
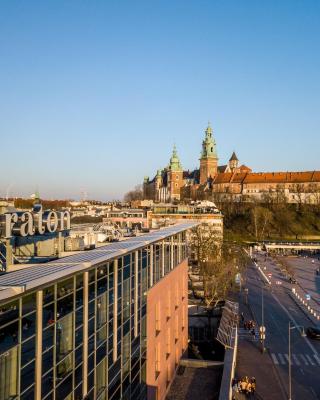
column 209, row 145
column 233, row 157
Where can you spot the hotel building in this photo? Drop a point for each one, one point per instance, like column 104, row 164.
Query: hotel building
column 110, row 323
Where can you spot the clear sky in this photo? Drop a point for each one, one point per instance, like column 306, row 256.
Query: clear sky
column 93, row 94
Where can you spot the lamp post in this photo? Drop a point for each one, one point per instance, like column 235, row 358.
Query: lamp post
column 289, row 351
column 262, row 327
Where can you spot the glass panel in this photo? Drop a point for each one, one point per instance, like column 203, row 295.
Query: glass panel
column 64, row 306
column 9, row 374
column 27, row 376
column 48, row 315
column 28, row 351
column 79, row 298
column 47, row 338
column 28, row 395
column 47, row 361
column 28, row 303
column 102, row 285
column 126, row 300
column 78, row 375
column 47, row 383
column 102, row 310
column 101, row 377
column 79, row 336
column 28, row 326
column 78, row 355
column 65, row 287
column 102, row 271
column 92, row 275
column 79, row 316
column 9, row 312
column 9, row 336
column 101, row 335
column 111, row 280
column 79, row 281
column 64, row 338
column 64, row 367
column 91, row 327
column 91, row 308
column 125, row 354
column 64, row 389
column 48, row 295
column 92, row 291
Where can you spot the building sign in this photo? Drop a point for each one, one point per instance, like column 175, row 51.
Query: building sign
column 36, row 222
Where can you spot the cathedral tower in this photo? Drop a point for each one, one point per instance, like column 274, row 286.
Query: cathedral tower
column 233, row 162
column 209, row 158
column 175, row 176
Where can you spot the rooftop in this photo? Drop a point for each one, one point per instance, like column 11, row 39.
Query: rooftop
column 33, row 276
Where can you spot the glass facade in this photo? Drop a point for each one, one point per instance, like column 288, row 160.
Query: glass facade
column 84, row 336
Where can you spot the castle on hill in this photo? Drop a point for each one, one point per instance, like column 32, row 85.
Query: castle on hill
column 233, row 180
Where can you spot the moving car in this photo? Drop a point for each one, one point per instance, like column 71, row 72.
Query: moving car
column 313, row 333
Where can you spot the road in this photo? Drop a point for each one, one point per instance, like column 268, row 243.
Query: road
column 279, row 309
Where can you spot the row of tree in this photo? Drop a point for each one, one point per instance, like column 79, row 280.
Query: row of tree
column 218, row 264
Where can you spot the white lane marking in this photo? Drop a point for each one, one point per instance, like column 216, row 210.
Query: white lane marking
column 274, row 358
column 317, row 358
column 304, row 359
column 281, row 359
column 310, row 360
column 314, row 393
column 296, row 359
column 295, row 324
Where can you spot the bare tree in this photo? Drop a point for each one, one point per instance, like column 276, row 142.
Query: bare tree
column 135, row 194
column 260, row 218
column 218, row 263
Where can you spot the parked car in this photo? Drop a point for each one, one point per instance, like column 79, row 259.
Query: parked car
column 313, row 333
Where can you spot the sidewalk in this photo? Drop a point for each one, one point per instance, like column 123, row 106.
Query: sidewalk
column 252, row 363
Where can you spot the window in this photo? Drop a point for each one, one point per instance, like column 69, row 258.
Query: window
column 9, row 373
column 168, row 342
column 101, row 376
column 158, row 321
column 157, row 360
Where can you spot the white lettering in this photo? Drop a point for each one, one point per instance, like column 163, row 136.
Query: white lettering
column 64, row 220
column 52, row 221
column 26, row 228
column 30, row 223
column 10, row 220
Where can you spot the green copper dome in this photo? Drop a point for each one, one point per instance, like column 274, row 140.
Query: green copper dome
column 175, row 164
column 209, row 149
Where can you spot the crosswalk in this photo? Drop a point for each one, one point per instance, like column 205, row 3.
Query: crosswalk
column 296, row 359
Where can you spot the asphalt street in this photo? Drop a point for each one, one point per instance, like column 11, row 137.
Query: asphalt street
column 279, row 309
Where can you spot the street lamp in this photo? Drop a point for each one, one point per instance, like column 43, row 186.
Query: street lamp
column 262, row 327
column 289, row 361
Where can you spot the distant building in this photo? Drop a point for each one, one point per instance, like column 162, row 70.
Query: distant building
column 203, row 212
column 232, row 181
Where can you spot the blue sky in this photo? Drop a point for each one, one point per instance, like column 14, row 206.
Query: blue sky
column 93, row 94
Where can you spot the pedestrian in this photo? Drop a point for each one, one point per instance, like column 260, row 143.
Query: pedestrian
column 242, row 317
column 253, row 384
column 253, row 333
